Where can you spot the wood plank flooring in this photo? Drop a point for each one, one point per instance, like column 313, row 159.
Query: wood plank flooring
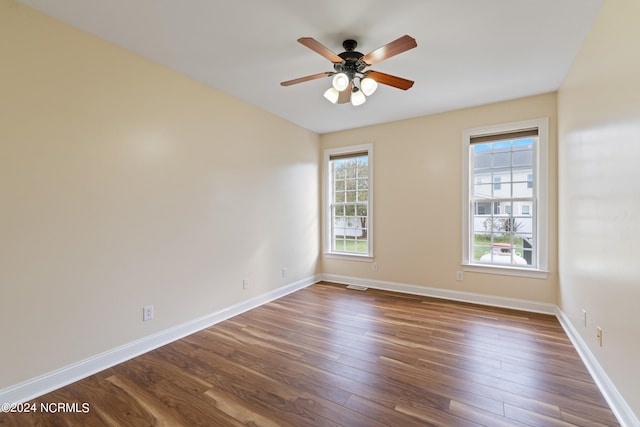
column 330, row 356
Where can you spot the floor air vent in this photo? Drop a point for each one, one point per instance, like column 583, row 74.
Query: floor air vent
column 357, row 288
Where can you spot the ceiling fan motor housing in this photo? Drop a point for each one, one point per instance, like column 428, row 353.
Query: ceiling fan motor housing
column 352, row 63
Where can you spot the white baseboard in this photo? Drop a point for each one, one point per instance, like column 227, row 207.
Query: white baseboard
column 490, row 300
column 618, row 405
column 50, row 381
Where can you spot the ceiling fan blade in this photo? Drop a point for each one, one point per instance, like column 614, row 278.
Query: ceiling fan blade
column 393, row 48
column 306, row 78
column 390, row 80
column 345, row 95
column 319, row 48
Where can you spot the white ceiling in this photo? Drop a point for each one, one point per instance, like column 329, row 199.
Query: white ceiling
column 470, row 52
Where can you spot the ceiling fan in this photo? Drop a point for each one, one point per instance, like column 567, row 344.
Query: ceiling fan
column 351, row 82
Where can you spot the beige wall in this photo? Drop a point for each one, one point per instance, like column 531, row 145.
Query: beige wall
column 418, row 205
column 599, row 163
column 124, row 184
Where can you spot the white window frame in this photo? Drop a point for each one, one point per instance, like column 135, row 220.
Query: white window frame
column 328, row 218
column 541, row 179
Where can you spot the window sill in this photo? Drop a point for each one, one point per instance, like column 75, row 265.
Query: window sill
column 349, row 257
column 506, row 271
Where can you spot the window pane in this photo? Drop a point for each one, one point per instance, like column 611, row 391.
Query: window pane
column 519, row 208
column 481, row 245
column 352, row 244
column 362, row 168
column 481, row 158
column 523, row 225
column 351, row 169
column 350, row 210
column 483, row 190
column 509, row 224
column 528, row 249
column 525, row 144
column 501, row 160
column 482, row 208
column 522, row 158
column 505, row 188
column 500, row 145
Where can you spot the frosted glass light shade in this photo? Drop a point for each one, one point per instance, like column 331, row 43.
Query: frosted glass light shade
column 340, row 81
column 332, row 95
column 358, row 98
column 368, row 86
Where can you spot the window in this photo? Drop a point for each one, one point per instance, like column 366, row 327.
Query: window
column 505, row 203
column 348, row 190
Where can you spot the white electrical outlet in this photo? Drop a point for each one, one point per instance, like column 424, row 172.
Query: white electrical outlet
column 284, row 272
column 459, row 276
column 147, row 313
column 245, row 284
column 584, row 317
column 375, row 266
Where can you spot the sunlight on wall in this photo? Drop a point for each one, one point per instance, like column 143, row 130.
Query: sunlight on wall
column 603, row 198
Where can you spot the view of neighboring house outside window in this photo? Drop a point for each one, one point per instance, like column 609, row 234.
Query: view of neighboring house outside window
column 505, row 212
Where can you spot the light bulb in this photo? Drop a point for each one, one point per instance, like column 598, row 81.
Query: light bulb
column 358, row 98
column 340, row 81
column 332, row 95
column 368, row 86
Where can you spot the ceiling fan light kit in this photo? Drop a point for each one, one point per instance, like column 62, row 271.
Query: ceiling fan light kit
column 341, row 81
column 368, row 86
column 357, row 97
column 351, row 83
column 332, row 94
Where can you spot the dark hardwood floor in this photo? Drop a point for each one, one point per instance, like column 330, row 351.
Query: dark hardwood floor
column 330, row 356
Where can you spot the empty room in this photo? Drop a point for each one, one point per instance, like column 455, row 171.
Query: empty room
column 282, row 213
